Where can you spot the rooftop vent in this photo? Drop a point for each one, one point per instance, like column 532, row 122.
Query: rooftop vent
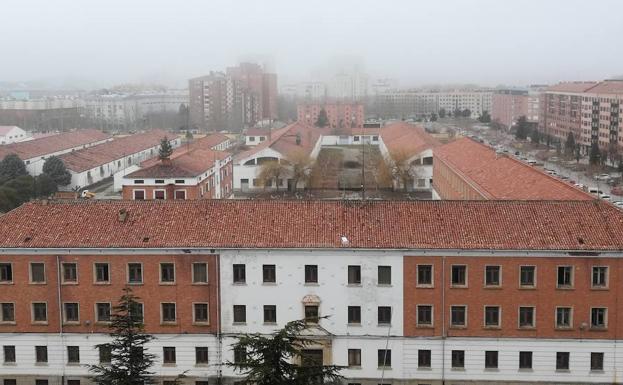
column 344, row 240
column 122, row 215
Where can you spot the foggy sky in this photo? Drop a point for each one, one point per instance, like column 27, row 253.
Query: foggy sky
column 488, row 42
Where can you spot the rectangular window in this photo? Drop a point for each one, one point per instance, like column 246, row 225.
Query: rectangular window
column 424, row 315
column 39, row 312
column 562, row 360
column 103, row 311
column 41, row 354
column 200, row 273
column 385, row 358
column 563, row 317
column 599, row 317
column 565, row 277
column 458, row 359
column 492, row 316
column 269, row 274
column 526, row 317
column 600, row 277
column 73, row 354
column 7, row 312
column 311, row 273
column 105, row 354
column 10, row 381
column 492, row 276
column 240, row 314
column 459, row 275
column 9, row 353
column 527, row 276
column 239, row 273
column 201, row 313
column 425, row 275
column 180, row 194
column 354, row 314
column 135, row 273
column 384, row 315
column 354, row 357
column 6, row 273
column 168, row 312
column 354, row 274
column 168, row 355
column 525, row 360
column 167, row 272
column 270, row 314
column 240, row 355
column 42, row 382
column 71, row 312
column 102, row 273
column 597, row 361
column 159, row 194
column 137, row 312
column 311, row 313
column 70, row 272
column 491, row 359
column 201, row 354
column 458, row 316
column 139, row 195
column 385, row 275
column 423, row 359
column 37, row 272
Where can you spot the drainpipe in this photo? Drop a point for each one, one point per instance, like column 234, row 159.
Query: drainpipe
column 443, row 320
column 219, row 337
column 60, row 313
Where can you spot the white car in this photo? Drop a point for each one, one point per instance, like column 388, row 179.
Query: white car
column 605, row 197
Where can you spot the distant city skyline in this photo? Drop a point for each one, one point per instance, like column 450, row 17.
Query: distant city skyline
column 486, row 42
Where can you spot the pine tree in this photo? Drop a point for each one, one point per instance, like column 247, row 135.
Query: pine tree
column 570, row 144
column 521, row 130
column 270, row 360
column 11, row 167
column 55, row 169
column 323, row 119
column 129, row 363
column 594, row 156
column 165, row 150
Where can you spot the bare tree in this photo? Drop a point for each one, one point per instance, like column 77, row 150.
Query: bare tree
column 402, row 171
column 300, row 165
column 271, row 170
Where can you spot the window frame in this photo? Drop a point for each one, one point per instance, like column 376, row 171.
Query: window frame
column 159, row 190
column 128, row 281
column 378, row 275
column 201, row 349
column 311, row 275
column 534, row 277
column 10, row 358
column 349, row 321
column 565, row 362
column 572, row 277
column 9, row 322
column 95, row 281
column 497, row 360
column 207, row 270
column 33, row 313
column 235, row 279
column 176, row 191
column 491, row 285
column 76, row 351
column 134, row 191
column 484, row 317
column 600, row 367
column 432, row 275
column 432, row 316
column 97, row 319
column 605, row 316
column 41, row 349
column 378, row 315
column 533, row 325
column 63, row 280
column 268, row 307
column 458, row 364
column 162, row 313
column 463, row 285
column 357, row 355
column 10, row 265
column 168, row 351
column 357, row 273
column 606, row 285
column 30, row 275
column 267, row 268
column 160, row 281
column 522, row 364
column 465, row 317
column 383, row 362
column 67, row 321
column 238, row 322
column 195, row 321
column 559, row 327
column 427, row 364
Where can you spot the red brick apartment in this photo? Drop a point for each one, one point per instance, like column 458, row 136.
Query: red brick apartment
column 466, row 169
column 435, row 292
column 340, row 115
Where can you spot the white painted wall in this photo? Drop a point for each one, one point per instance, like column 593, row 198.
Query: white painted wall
column 34, row 166
column 15, row 134
column 57, row 353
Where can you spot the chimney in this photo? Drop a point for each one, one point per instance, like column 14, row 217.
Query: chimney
column 122, row 215
column 298, row 138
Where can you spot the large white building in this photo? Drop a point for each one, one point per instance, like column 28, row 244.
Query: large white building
column 12, row 134
column 406, row 103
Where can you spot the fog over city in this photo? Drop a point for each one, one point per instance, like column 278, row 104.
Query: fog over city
column 487, row 42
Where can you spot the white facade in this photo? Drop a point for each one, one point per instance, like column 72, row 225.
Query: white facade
column 350, row 86
column 107, row 170
column 254, row 140
column 40, row 104
column 12, row 134
column 34, row 166
column 411, row 103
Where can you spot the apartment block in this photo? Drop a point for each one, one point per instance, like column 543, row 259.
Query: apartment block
column 413, row 292
column 412, row 103
column 339, row 115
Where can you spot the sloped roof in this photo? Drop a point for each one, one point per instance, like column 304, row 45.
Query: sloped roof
column 89, row 158
column 190, row 164
column 283, row 140
column 502, row 177
column 607, row 87
column 571, row 86
column 405, row 137
column 54, row 143
column 206, row 143
column 6, row 129
column 476, row 225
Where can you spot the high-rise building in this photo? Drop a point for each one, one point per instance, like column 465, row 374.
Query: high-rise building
column 411, row 103
column 508, row 106
column 339, row 115
column 238, row 98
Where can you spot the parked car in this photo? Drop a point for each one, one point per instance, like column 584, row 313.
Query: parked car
column 602, row 177
column 593, row 190
column 605, row 197
column 618, row 204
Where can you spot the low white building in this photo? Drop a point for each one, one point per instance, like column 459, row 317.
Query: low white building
column 12, row 134
column 99, row 162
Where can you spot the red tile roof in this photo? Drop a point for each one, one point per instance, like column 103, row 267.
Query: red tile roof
column 190, row 164
column 496, row 225
column 405, row 137
column 51, row 144
column 500, row 176
column 207, row 143
column 607, row 87
column 101, row 154
column 257, row 131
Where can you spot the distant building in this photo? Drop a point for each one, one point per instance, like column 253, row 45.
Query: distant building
column 310, row 91
column 93, row 164
column 409, row 104
column 508, row 106
column 35, row 152
column 238, row 98
column 41, row 114
column 468, row 170
column 591, row 111
column 349, row 86
column 340, row 115
column 12, row 134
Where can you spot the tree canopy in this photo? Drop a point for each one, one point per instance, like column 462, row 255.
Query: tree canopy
column 165, row 150
column 521, row 128
column 279, row 358
column 323, row 119
column 11, row 167
column 55, row 169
